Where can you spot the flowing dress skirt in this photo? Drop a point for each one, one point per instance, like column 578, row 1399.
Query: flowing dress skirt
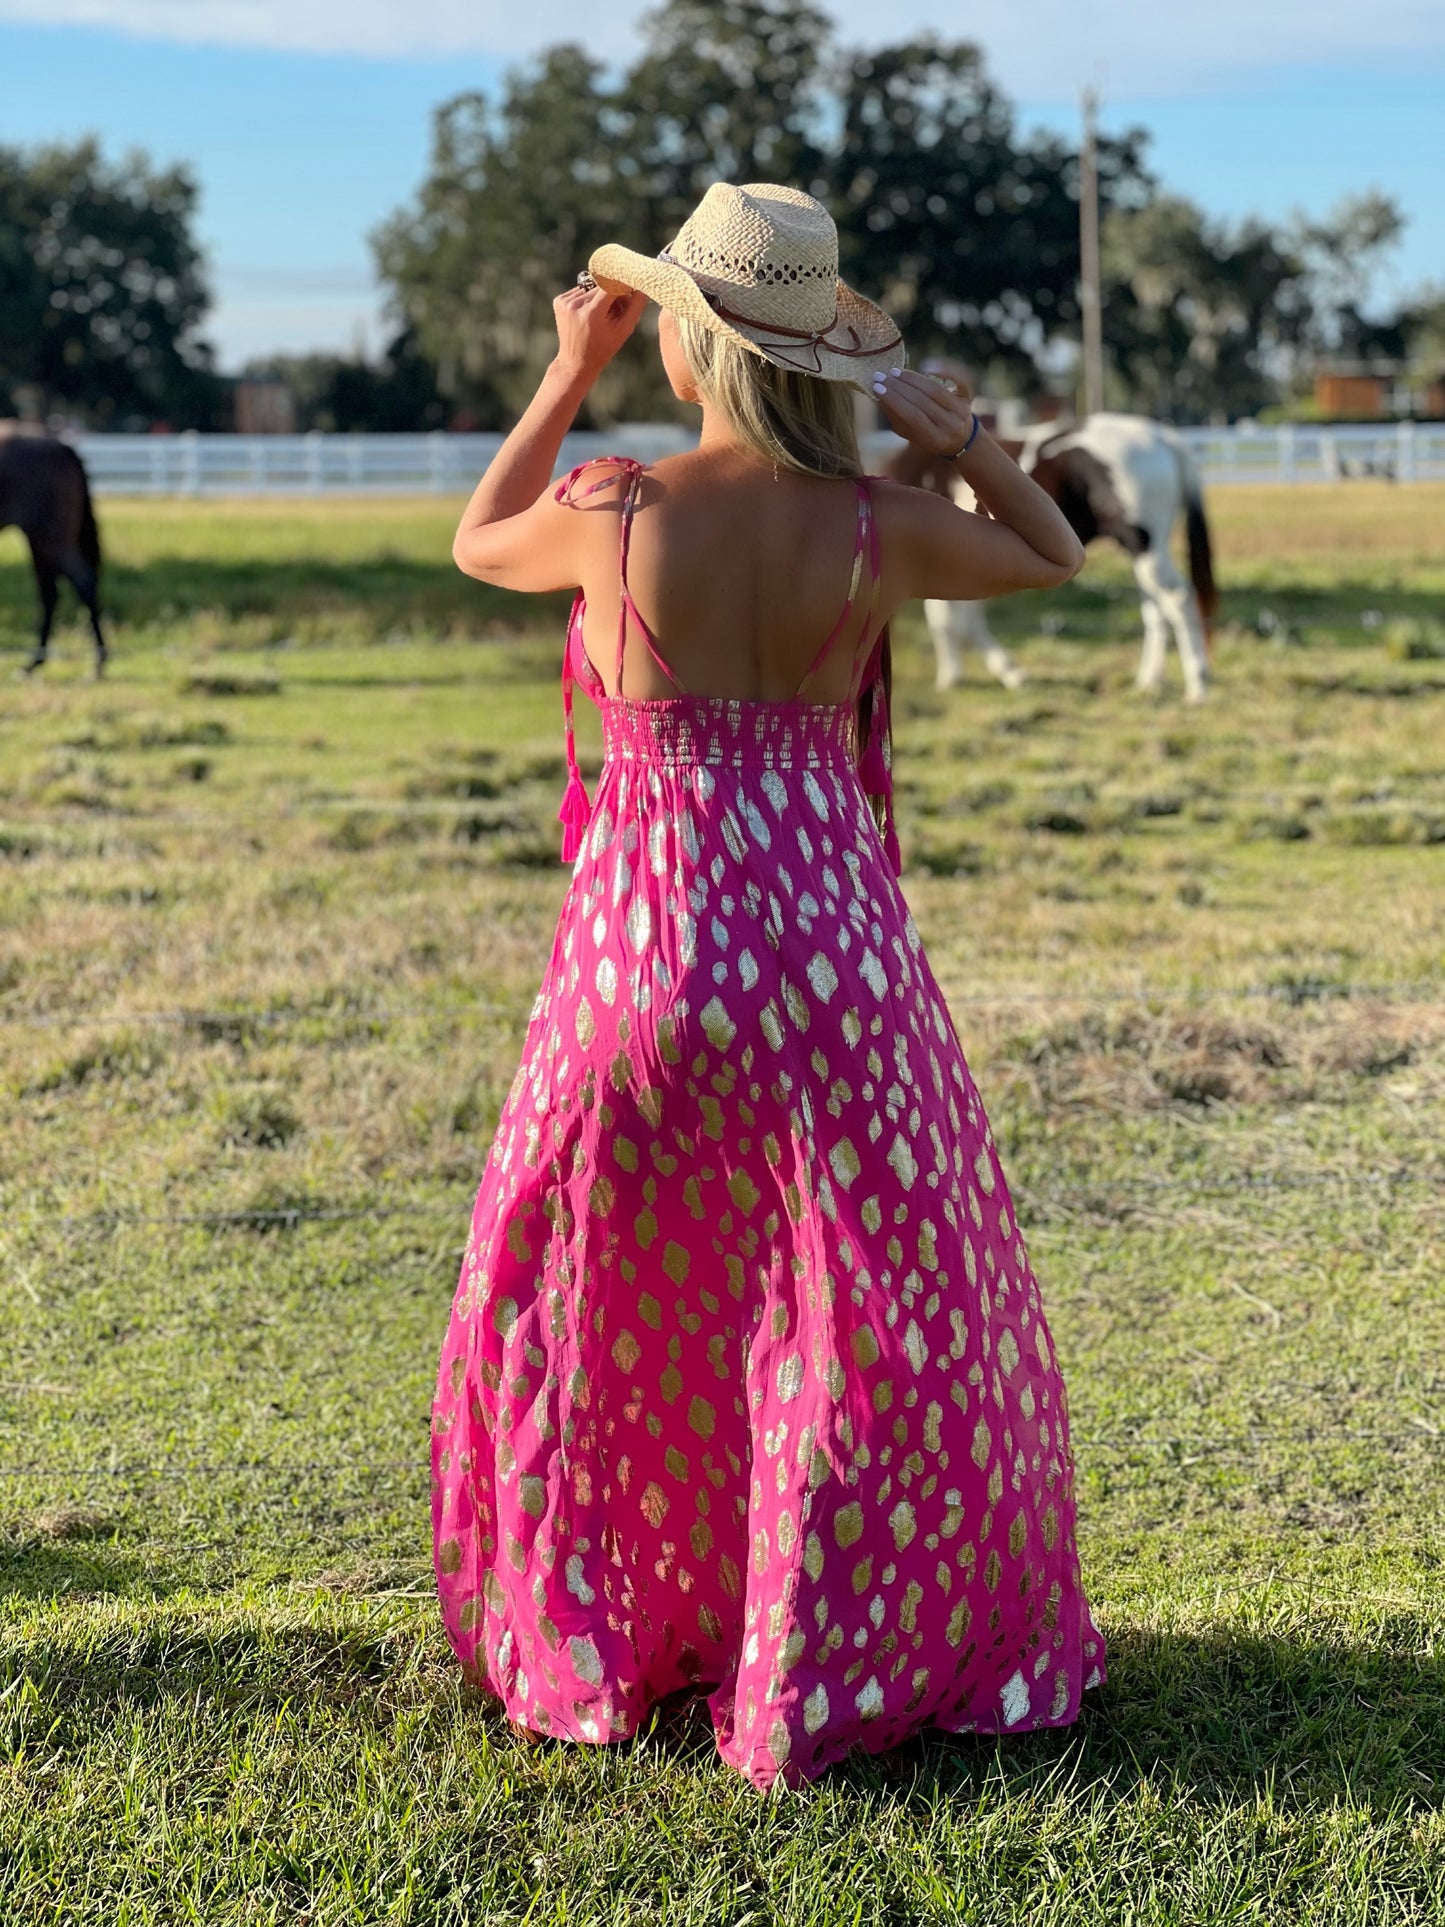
column 748, row 1385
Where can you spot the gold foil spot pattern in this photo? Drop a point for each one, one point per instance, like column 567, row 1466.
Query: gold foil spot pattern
column 748, row 1383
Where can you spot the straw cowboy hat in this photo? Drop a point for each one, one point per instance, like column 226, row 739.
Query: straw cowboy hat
column 760, row 263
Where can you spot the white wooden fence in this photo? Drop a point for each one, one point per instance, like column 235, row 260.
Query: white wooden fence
column 437, row 464
column 1299, row 452
column 444, row 464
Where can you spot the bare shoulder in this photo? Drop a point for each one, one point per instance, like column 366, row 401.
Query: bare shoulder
column 895, row 500
column 908, row 513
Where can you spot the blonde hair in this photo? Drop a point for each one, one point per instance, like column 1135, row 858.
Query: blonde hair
column 790, row 420
column 806, row 424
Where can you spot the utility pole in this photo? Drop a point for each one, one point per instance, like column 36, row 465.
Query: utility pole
column 1089, row 301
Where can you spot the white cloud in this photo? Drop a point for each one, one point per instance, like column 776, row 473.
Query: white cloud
column 1043, row 50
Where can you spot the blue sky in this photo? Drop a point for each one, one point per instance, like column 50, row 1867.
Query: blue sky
column 309, row 122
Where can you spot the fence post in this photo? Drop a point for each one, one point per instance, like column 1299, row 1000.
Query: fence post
column 1330, row 456
column 1404, row 451
column 437, row 461
column 313, row 462
column 190, row 462
column 1288, row 454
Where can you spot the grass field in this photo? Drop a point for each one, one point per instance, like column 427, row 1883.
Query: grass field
column 274, row 901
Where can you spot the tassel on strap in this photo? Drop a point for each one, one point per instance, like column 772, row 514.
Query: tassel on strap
column 890, row 841
column 576, row 811
column 872, row 770
column 574, row 815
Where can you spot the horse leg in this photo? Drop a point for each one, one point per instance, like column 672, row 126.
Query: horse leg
column 996, row 659
column 1180, row 610
column 948, row 658
column 955, row 626
column 48, row 583
column 1156, row 645
column 82, row 577
column 1156, row 628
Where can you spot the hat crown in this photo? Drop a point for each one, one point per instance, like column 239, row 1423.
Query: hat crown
column 774, row 250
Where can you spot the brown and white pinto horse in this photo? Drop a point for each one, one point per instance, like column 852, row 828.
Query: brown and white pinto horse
column 1115, row 476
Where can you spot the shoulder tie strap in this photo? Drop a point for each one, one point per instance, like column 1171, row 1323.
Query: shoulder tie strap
column 576, row 811
column 567, row 490
column 627, row 609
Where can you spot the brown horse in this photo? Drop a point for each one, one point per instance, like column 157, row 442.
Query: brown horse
column 44, row 492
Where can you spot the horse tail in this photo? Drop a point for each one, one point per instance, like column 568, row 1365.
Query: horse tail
column 1196, row 529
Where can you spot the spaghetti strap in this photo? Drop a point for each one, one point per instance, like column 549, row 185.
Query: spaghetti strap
column 626, row 607
column 864, row 543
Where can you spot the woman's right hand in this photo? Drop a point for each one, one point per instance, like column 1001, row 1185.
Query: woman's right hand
column 933, row 417
column 591, row 326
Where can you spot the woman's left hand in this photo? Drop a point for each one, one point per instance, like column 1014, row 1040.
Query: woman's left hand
column 591, row 326
column 937, row 419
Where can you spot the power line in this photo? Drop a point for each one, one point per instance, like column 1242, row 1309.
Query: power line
column 240, row 1019
column 1090, row 304
column 1209, row 1445
column 285, row 1216
column 1083, row 790
column 1231, row 1184
column 1293, row 994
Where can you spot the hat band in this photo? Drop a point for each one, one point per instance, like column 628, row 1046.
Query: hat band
column 793, row 342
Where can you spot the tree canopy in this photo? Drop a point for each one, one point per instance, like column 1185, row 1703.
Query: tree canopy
column 967, row 228
column 102, row 288
column 347, row 394
column 964, row 226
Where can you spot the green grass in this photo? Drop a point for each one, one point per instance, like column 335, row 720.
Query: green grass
column 273, row 905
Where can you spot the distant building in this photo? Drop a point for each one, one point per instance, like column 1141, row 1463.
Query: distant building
column 1377, row 391
column 1351, row 396
column 265, row 405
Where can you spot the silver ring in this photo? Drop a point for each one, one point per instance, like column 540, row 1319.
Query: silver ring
column 585, row 282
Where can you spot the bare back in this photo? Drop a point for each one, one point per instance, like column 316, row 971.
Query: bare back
column 740, row 579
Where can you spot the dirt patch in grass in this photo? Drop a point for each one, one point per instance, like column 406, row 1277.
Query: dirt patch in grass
column 62, row 1523
column 1147, row 1061
column 229, row 682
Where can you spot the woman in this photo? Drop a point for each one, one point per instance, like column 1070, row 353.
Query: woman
column 747, row 1384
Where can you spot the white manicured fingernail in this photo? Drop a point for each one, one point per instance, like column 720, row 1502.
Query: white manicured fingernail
column 895, row 371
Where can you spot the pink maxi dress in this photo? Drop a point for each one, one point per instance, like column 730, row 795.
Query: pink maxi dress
column 748, row 1386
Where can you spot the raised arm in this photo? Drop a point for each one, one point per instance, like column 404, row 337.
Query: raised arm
column 511, row 532
column 937, row 549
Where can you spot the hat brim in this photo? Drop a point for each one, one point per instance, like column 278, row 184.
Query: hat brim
column 863, row 340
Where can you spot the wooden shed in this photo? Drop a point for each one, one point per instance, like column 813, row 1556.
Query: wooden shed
column 265, row 405
column 1352, row 396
